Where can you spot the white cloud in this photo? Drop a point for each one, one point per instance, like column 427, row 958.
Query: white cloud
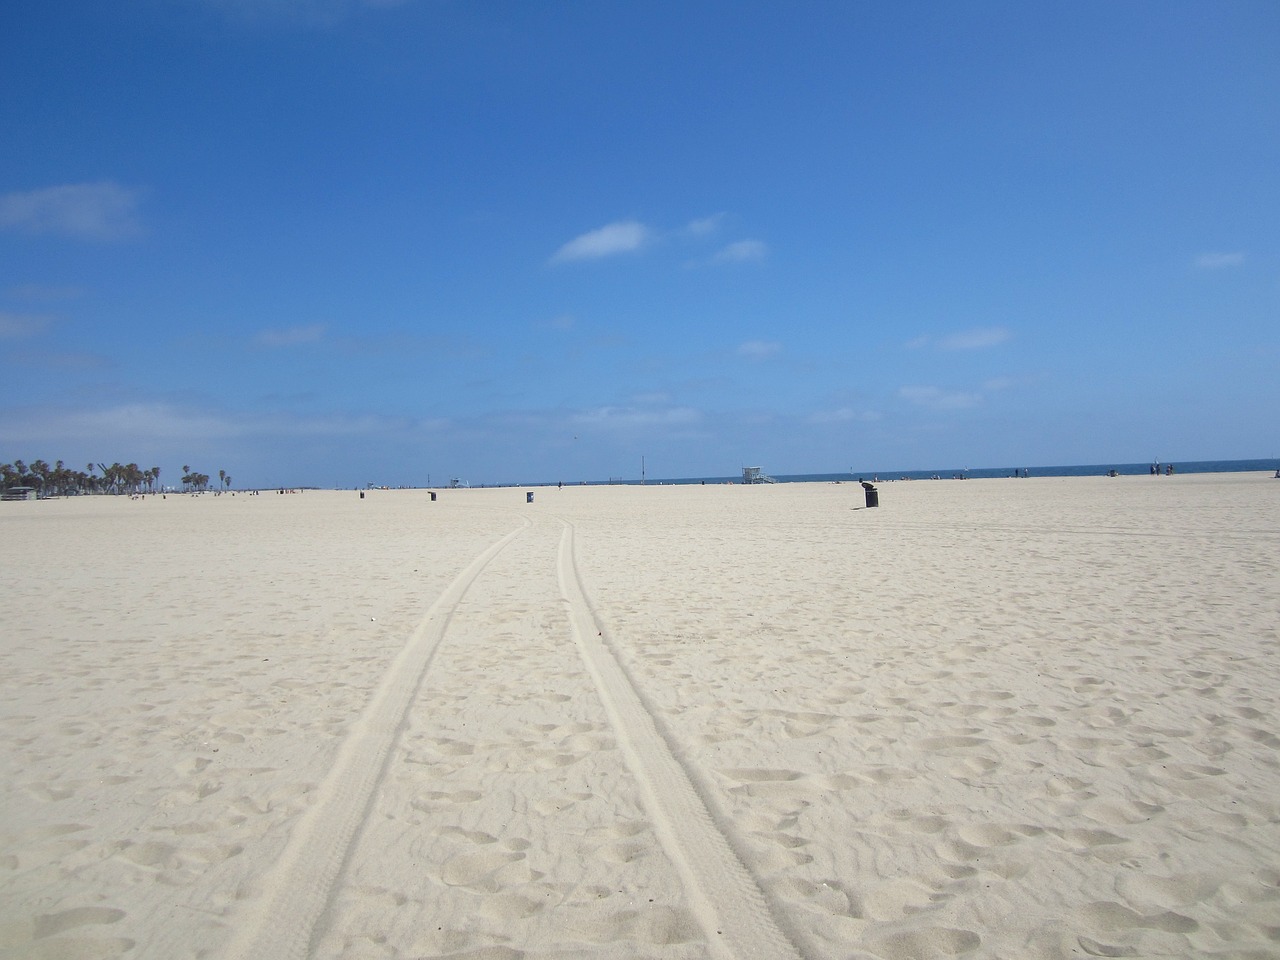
column 133, row 425
column 89, row 211
column 625, row 236
column 844, row 415
column 704, row 226
column 979, row 338
column 291, row 336
column 67, row 360
column 1217, row 261
column 41, row 292
column 652, row 398
column 115, row 426
column 741, row 252
column 611, row 416
column 562, row 323
column 14, row 326
column 935, row 398
column 758, row 349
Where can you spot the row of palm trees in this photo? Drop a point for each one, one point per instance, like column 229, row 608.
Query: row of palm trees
column 61, row 481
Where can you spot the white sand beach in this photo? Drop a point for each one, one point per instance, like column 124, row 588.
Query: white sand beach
column 989, row 718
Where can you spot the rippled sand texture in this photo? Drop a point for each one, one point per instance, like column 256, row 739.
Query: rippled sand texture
column 1002, row 718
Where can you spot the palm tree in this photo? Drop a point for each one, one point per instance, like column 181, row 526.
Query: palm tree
column 222, row 479
column 40, row 470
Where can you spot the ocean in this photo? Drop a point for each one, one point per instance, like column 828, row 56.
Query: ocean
column 1269, row 465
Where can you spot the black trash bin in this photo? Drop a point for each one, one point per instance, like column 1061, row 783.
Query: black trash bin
column 433, row 496
column 873, row 495
column 528, row 497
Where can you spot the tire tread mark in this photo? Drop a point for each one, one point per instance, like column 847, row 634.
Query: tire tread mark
column 725, row 897
column 300, row 885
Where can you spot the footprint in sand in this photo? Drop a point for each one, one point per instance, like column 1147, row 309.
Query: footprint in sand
column 478, row 837
column 47, row 925
column 930, row 942
column 151, row 853
column 487, row 872
column 622, row 851
column 947, row 744
column 507, row 907
column 1120, row 813
column 895, row 899
column 760, row 775
column 1087, row 839
column 1164, row 893
column 431, row 801
column 1109, row 916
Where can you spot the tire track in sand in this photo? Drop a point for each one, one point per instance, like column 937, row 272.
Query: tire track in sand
column 724, row 896
column 298, row 889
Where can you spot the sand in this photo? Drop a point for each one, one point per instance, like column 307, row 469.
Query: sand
column 990, row 718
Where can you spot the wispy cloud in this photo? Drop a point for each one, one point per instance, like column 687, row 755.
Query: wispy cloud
column 625, row 236
column 87, row 211
column 56, row 360
column 742, row 251
column 844, row 415
column 979, row 338
column 1218, row 261
column 758, row 349
column 16, row 326
column 657, row 397
column 141, row 424
column 291, row 336
column 561, row 323
column 128, row 422
column 704, row 226
column 42, row 293
column 937, row 398
column 638, row 416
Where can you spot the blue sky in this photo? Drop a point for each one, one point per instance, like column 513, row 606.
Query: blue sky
column 334, row 242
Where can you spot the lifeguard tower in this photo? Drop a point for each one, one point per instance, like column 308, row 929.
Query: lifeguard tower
column 753, row 475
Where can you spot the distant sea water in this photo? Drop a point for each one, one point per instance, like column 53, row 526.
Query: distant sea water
column 1269, row 465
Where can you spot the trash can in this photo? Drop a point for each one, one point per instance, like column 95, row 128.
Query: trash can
column 873, row 495
column 361, row 494
column 433, row 496
column 528, row 497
